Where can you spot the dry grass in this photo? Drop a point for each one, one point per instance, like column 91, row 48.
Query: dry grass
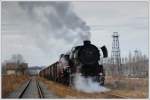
column 130, row 88
column 68, row 92
column 11, row 82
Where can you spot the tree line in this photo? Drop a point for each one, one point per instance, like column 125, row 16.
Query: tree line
column 135, row 65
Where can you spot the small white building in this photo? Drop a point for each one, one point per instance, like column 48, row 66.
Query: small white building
column 34, row 70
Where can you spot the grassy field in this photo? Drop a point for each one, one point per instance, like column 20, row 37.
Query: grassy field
column 129, row 87
column 11, row 82
column 67, row 92
column 125, row 87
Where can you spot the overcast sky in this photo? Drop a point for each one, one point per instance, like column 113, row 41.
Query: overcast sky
column 41, row 31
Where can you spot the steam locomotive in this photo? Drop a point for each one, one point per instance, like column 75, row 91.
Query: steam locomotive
column 83, row 59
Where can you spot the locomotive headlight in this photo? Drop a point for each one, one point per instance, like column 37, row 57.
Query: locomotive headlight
column 100, row 74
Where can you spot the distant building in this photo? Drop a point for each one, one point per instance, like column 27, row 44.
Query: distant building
column 17, row 69
column 34, row 70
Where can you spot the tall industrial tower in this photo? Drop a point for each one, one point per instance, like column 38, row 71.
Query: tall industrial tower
column 115, row 54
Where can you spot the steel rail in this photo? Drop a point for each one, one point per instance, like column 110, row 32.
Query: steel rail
column 40, row 92
column 21, row 94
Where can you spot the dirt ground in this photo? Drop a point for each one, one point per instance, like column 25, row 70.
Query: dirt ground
column 124, row 87
column 11, row 82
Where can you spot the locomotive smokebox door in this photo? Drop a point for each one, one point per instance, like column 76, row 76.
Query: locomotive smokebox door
column 105, row 52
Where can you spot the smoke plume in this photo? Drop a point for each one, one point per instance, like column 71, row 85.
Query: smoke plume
column 88, row 85
column 57, row 19
column 47, row 27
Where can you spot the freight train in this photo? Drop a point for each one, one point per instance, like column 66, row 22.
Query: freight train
column 83, row 60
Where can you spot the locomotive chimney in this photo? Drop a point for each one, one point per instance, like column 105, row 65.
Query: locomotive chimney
column 86, row 42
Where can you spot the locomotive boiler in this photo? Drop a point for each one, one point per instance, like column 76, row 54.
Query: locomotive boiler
column 83, row 60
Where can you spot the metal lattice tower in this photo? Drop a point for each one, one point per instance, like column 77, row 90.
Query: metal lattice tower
column 115, row 55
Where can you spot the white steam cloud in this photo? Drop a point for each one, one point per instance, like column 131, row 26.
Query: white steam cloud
column 88, row 85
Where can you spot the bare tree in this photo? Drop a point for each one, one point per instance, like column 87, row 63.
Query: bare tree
column 17, row 58
column 135, row 65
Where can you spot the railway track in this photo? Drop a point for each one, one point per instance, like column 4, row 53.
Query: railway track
column 21, row 93
column 40, row 92
column 32, row 91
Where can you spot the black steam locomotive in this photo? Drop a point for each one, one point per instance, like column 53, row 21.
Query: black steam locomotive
column 83, row 59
